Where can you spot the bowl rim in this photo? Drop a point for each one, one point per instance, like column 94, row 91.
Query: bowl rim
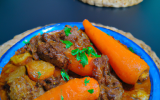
column 154, row 71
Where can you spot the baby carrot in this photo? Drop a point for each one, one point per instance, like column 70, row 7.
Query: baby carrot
column 76, row 89
column 77, row 67
column 127, row 65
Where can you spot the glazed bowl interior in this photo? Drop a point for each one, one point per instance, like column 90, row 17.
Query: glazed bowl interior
column 153, row 72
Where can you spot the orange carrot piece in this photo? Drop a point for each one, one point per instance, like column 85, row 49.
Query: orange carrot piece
column 74, row 89
column 40, row 70
column 77, row 67
column 127, row 65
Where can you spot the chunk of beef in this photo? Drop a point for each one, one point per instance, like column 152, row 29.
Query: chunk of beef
column 48, row 47
column 53, row 52
column 51, row 82
column 101, row 68
column 24, row 89
column 78, row 37
column 110, row 87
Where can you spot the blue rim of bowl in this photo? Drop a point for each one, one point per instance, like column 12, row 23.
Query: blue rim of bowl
column 154, row 71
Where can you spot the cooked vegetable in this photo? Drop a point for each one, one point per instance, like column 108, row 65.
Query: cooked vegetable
column 78, row 68
column 40, row 70
column 127, row 65
column 74, row 89
column 82, row 64
column 21, row 59
column 19, row 72
column 7, row 70
column 81, row 54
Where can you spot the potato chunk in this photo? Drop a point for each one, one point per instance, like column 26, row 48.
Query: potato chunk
column 21, row 59
column 40, row 70
column 19, row 72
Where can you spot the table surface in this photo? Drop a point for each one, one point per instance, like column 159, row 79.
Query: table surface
column 142, row 20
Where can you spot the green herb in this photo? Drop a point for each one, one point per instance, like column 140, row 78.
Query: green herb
column 81, row 55
column 92, row 52
column 84, row 59
column 91, row 91
column 76, row 52
column 39, row 75
column 67, row 31
column 68, row 43
column 64, row 75
column 131, row 49
column 86, row 81
column 26, row 41
column 91, row 43
column 62, row 98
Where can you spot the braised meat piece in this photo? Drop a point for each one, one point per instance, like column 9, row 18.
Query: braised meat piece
column 48, row 47
column 78, row 37
column 51, row 82
column 110, row 87
column 24, row 89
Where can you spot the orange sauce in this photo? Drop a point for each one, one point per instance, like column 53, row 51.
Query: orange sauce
column 131, row 91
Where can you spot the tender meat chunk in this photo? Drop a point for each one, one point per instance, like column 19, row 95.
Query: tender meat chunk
column 101, row 68
column 53, row 53
column 24, row 89
column 48, row 47
column 49, row 50
column 110, row 87
column 78, row 37
column 51, row 82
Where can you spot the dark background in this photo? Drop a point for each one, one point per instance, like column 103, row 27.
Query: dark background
column 142, row 20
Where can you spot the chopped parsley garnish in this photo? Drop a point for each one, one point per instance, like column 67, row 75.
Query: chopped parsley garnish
column 76, row 52
column 131, row 49
column 64, row 75
column 62, row 98
column 26, row 41
column 67, row 31
column 81, row 55
column 39, row 75
column 68, row 43
column 91, row 91
column 84, row 59
column 86, row 81
column 92, row 52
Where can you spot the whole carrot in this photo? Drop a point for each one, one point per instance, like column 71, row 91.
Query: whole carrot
column 127, row 65
column 76, row 89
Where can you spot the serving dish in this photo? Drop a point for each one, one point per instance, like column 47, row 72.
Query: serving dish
column 154, row 72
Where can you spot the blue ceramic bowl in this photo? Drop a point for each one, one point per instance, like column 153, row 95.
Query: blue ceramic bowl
column 154, row 72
